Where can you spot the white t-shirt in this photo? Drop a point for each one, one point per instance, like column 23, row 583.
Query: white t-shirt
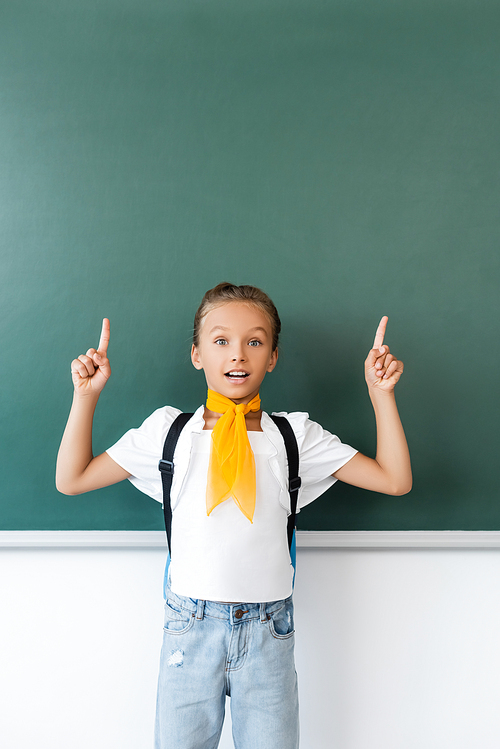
column 224, row 557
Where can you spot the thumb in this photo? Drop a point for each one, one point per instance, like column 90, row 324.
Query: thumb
column 372, row 357
column 102, row 363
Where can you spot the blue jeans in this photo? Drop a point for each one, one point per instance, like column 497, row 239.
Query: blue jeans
column 211, row 650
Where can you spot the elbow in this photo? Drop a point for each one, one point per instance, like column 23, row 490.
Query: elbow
column 65, row 488
column 401, row 492
column 400, row 489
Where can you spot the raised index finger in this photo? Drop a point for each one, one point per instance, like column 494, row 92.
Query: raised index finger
column 379, row 335
column 104, row 339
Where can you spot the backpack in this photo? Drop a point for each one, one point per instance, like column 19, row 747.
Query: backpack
column 166, row 467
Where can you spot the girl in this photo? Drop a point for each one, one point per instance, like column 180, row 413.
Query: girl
column 228, row 626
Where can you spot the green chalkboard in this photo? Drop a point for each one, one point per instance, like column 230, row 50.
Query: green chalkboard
column 343, row 155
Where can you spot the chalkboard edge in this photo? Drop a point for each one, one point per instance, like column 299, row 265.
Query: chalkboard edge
column 305, row 539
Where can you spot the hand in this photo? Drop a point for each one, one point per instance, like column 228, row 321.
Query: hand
column 91, row 371
column 382, row 369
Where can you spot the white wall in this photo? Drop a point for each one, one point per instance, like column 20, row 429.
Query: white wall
column 396, row 649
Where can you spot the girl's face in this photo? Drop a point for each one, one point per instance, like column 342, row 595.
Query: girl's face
column 235, row 350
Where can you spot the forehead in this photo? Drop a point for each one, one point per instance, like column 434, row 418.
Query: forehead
column 240, row 316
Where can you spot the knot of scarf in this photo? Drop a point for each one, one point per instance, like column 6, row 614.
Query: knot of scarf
column 231, row 469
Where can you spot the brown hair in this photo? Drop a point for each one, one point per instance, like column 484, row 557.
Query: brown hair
column 227, row 292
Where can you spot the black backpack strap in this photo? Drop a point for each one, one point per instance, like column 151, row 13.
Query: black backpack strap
column 166, row 466
column 294, row 480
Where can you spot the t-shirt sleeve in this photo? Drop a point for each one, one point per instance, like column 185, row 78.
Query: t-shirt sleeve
column 139, row 451
column 320, row 455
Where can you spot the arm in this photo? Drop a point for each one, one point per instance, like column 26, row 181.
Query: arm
column 390, row 471
column 77, row 470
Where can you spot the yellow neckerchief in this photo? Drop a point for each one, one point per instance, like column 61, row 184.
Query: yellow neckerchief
column 231, row 470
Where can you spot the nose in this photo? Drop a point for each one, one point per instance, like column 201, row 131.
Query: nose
column 238, row 354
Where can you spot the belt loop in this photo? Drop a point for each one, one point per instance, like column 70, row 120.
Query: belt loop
column 200, row 609
column 263, row 615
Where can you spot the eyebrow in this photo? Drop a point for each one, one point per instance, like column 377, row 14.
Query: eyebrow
column 223, row 327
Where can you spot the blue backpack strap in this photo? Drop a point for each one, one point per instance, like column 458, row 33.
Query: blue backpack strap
column 166, row 466
column 294, row 480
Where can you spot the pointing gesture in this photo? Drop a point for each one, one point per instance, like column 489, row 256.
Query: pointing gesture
column 91, row 371
column 104, row 339
column 379, row 335
column 382, row 369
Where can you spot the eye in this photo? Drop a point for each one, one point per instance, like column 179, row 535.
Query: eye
column 255, row 342
column 220, row 342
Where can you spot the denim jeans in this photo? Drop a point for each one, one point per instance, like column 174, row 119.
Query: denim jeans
column 211, row 650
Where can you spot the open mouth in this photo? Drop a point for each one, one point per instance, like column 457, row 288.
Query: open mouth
column 237, row 375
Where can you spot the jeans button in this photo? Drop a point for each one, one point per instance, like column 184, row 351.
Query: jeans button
column 238, row 614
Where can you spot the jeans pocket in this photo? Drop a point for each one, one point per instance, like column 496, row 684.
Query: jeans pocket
column 281, row 622
column 177, row 620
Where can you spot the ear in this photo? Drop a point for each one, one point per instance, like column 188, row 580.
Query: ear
column 273, row 361
column 195, row 358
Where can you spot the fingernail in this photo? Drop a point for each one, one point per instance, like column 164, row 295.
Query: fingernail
column 381, row 349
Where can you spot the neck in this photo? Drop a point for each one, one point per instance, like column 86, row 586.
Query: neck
column 252, row 419
column 244, row 400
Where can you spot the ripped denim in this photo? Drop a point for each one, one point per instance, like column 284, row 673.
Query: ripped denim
column 211, row 650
